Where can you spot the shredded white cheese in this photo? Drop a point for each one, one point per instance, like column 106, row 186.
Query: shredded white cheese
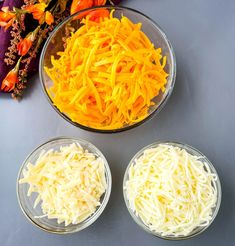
column 69, row 183
column 172, row 191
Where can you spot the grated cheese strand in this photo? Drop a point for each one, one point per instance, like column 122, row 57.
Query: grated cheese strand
column 108, row 75
column 69, row 183
column 172, row 191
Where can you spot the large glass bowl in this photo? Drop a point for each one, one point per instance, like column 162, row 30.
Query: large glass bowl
column 202, row 158
column 27, row 202
column 54, row 44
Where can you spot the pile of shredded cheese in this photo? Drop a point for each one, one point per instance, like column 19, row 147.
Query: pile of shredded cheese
column 172, row 191
column 69, row 183
column 108, row 74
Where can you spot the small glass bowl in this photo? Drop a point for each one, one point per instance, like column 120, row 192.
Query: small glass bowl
column 27, row 202
column 202, row 158
column 54, row 44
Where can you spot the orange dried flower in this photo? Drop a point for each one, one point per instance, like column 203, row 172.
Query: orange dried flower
column 6, row 17
column 99, row 2
column 8, row 84
column 25, row 44
column 49, row 18
column 78, row 5
column 37, row 10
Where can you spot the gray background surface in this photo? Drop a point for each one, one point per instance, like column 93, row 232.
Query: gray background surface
column 200, row 113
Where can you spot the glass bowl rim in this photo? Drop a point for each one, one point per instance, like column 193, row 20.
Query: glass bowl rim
column 187, row 148
column 99, row 210
column 162, row 103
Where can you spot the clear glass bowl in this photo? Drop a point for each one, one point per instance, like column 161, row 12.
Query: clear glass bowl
column 54, row 44
column 27, row 202
column 202, row 158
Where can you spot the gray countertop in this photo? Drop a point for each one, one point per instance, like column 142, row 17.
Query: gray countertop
column 200, row 112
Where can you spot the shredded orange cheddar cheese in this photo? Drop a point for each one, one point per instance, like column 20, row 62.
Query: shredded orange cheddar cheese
column 108, row 74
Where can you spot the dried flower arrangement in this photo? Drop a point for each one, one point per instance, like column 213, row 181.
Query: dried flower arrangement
column 28, row 24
